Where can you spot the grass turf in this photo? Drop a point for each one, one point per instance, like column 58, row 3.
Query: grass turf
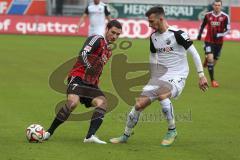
column 208, row 123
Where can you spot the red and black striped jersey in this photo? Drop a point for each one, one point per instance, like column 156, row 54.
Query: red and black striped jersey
column 93, row 56
column 217, row 27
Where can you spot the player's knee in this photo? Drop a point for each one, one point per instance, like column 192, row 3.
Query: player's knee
column 100, row 102
column 72, row 102
column 71, row 105
column 164, row 96
column 210, row 59
column 138, row 106
column 141, row 103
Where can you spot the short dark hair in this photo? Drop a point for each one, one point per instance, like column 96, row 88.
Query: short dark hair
column 155, row 10
column 114, row 23
column 217, row 1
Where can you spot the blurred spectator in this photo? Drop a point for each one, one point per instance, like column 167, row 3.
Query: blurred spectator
column 59, row 7
column 97, row 12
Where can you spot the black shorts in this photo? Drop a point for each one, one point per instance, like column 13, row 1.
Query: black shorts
column 86, row 92
column 215, row 49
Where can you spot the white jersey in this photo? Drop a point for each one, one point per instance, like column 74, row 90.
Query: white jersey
column 168, row 53
column 97, row 14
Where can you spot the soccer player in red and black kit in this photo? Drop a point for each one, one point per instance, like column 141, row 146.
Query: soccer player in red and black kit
column 218, row 25
column 83, row 81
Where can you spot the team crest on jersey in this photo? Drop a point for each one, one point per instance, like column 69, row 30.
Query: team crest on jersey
column 168, row 41
column 220, row 18
column 100, row 10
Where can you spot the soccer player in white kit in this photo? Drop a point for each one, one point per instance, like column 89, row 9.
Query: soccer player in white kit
column 97, row 12
column 169, row 70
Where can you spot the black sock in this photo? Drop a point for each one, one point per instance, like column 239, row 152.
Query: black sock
column 171, row 129
column 61, row 117
column 56, row 122
column 211, row 70
column 96, row 121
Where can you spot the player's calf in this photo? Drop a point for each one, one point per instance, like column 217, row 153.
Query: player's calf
column 132, row 120
column 62, row 116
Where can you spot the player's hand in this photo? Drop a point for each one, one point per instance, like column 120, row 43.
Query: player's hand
column 79, row 26
column 203, row 83
column 199, row 37
column 215, row 37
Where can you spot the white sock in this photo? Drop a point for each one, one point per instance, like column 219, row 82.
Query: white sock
column 167, row 110
column 131, row 121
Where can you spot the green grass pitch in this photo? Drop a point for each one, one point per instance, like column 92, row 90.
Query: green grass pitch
column 208, row 123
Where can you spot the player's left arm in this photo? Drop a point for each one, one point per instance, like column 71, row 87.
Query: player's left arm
column 107, row 13
column 184, row 40
column 227, row 28
column 203, row 84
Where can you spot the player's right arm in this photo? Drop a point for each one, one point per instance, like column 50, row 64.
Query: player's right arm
column 90, row 46
column 202, row 27
column 87, row 56
column 82, row 19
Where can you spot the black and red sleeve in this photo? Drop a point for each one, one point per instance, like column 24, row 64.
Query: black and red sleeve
column 89, row 47
column 203, row 25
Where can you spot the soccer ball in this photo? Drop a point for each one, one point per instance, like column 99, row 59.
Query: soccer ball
column 35, row 133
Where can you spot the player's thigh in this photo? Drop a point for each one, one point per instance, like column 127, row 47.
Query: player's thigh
column 178, row 85
column 72, row 96
column 156, row 87
column 85, row 93
column 210, row 57
column 209, row 50
column 217, row 51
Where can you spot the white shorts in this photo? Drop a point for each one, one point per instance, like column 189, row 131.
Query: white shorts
column 155, row 87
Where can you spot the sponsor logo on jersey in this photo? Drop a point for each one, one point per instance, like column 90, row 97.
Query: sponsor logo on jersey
column 215, row 23
column 166, row 49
